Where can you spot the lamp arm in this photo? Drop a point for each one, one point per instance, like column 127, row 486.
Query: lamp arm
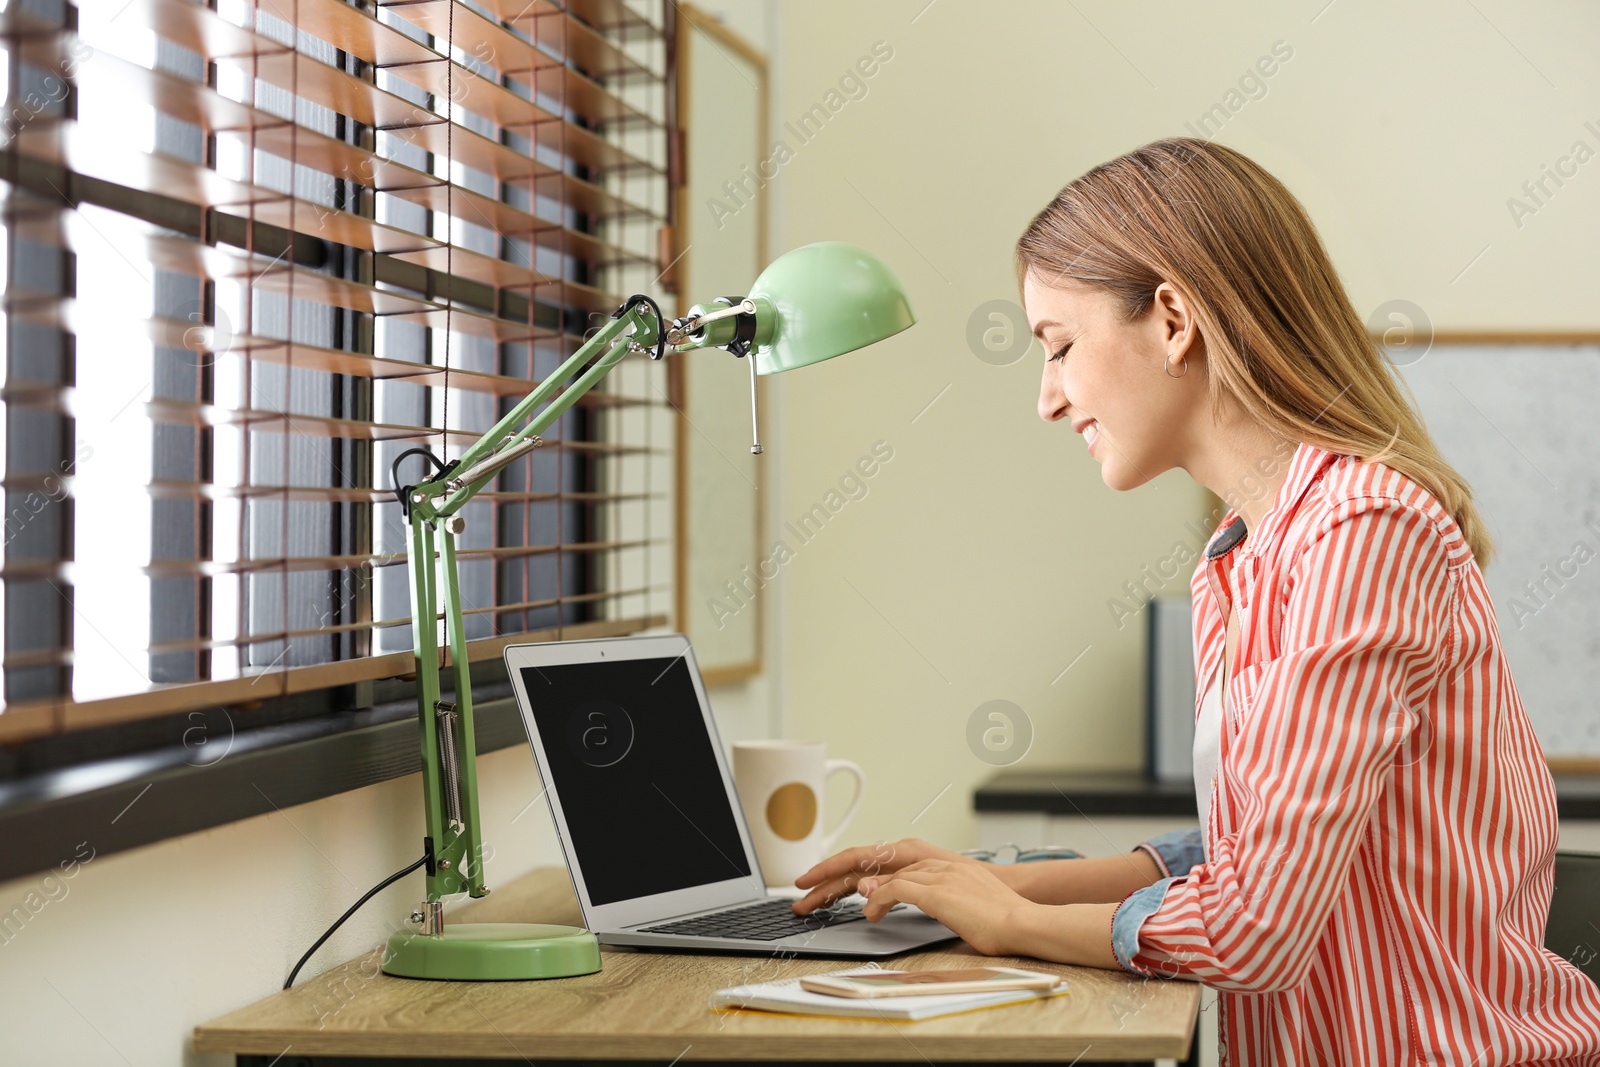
column 449, row 746
column 552, row 411
column 507, row 427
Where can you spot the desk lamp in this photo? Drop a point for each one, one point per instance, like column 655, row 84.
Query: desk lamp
column 816, row 302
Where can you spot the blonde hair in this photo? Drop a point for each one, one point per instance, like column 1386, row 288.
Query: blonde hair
column 1281, row 337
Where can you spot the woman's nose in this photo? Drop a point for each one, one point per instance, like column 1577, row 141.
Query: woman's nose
column 1052, row 402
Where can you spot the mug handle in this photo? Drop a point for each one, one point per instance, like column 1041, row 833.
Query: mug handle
column 855, row 802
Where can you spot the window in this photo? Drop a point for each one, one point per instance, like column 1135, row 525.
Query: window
column 253, row 252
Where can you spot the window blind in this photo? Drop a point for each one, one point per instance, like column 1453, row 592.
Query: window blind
column 254, row 250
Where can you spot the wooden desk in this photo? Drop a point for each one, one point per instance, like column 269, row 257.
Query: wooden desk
column 646, row 1005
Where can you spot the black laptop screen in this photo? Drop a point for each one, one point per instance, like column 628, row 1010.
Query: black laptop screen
column 631, row 759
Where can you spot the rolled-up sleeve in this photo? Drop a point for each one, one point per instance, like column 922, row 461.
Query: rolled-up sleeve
column 1135, row 908
column 1366, row 632
column 1175, row 851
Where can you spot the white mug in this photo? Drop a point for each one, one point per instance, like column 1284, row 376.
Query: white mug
column 780, row 786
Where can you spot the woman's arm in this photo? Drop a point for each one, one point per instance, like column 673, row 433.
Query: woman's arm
column 970, row 898
column 1103, row 880
column 1079, row 934
column 1366, row 632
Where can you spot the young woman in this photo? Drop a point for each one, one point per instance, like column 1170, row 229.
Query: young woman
column 1373, row 870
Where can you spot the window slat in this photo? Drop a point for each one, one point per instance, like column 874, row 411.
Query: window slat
column 259, row 251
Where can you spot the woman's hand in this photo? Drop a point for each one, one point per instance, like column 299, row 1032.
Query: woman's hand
column 968, row 897
column 837, row 876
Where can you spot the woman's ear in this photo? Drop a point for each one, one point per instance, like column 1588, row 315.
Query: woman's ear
column 1179, row 331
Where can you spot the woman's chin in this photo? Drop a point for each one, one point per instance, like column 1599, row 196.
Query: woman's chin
column 1120, row 475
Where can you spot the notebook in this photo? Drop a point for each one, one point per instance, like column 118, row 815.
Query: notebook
column 787, row 997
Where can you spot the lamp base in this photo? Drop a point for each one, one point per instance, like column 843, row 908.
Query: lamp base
column 487, row 952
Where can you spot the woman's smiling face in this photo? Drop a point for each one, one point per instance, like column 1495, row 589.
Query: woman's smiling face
column 1113, row 380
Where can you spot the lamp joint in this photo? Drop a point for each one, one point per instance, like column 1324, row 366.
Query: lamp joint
column 430, row 916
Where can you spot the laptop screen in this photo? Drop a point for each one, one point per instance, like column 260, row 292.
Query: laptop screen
column 629, row 755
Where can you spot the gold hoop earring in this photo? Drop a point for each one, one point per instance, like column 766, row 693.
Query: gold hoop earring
column 1184, row 361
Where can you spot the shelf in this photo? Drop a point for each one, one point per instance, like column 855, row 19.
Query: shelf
column 1067, row 792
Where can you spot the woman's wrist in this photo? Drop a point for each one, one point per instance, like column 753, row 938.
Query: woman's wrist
column 1014, row 875
column 1018, row 930
column 1045, row 881
column 1077, row 934
column 1030, row 879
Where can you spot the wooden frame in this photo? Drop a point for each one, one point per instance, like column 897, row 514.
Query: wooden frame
column 1564, row 765
column 696, row 23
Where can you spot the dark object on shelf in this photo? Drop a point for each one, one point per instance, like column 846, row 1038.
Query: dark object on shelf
column 1170, row 690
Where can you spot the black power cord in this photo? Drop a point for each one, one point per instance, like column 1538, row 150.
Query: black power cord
column 403, row 492
column 661, row 323
column 374, row 891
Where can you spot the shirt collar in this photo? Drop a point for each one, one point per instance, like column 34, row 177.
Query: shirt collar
column 1306, row 466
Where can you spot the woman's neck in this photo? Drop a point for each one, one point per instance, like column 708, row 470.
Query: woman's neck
column 1244, row 466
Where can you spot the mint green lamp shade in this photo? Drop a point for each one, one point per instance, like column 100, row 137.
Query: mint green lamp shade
column 826, row 299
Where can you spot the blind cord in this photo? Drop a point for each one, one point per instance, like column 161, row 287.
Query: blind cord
column 449, row 209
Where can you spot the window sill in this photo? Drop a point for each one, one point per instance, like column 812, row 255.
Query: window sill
column 140, row 799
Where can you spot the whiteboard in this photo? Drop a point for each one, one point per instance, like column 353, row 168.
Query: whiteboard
column 1518, row 422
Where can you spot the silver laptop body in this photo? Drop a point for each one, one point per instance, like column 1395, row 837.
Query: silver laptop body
column 645, row 807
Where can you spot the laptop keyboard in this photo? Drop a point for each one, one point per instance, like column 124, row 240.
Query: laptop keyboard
column 765, row 920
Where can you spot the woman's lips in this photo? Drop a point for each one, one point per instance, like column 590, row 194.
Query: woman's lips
column 1089, row 428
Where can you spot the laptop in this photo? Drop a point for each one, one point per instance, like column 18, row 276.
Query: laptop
column 649, row 821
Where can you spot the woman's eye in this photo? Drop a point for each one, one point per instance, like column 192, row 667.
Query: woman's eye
column 1061, row 353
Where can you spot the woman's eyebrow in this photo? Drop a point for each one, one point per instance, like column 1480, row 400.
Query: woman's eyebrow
column 1038, row 331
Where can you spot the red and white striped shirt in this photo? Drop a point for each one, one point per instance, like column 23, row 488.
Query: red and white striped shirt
column 1379, row 853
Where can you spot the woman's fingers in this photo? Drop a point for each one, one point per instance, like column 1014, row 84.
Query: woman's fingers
column 830, row 892
column 924, row 871
column 827, row 894
column 833, row 878
column 836, row 877
column 861, row 857
column 903, row 887
column 883, row 892
column 832, row 867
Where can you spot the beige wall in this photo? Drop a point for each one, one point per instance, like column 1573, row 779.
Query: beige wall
column 981, row 562
column 122, row 959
